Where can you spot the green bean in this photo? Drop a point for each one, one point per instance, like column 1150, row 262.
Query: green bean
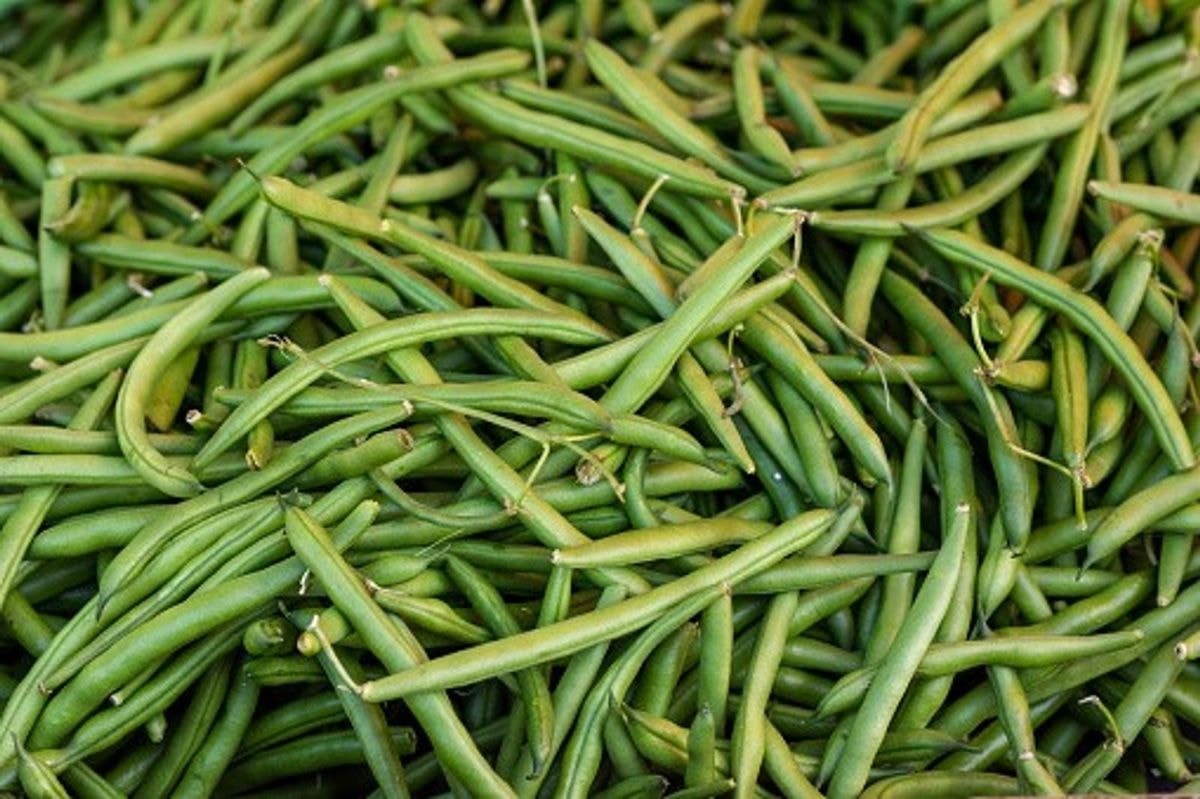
column 834, row 154
column 161, row 257
column 1086, row 315
column 314, row 753
column 576, row 633
column 958, row 485
column 954, row 33
column 378, row 745
column 211, row 106
column 636, row 92
column 15, row 263
column 1001, row 137
column 535, row 693
column 351, row 109
column 37, row 778
column 701, row 763
column 1069, row 387
column 147, row 366
column 1162, row 202
column 12, row 232
column 96, row 470
column 54, row 256
column 978, row 198
column 1158, row 625
column 269, row 672
column 20, row 527
column 151, row 538
column 193, row 726
column 1162, row 739
column 347, row 60
column 435, row 186
column 502, row 480
column 1081, row 147
column 896, row 670
column 623, row 448
column 579, row 109
column 292, row 719
column 18, row 303
column 104, row 728
column 551, row 271
column 943, row 783
column 26, row 627
column 87, row 215
column 751, row 111
column 957, row 76
column 380, row 338
column 902, row 537
column 815, row 453
column 715, row 661
column 663, row 670
column 645, row 371
column 433, row 711
column 88, row 784
column 869, row 262
column 89, row 118
column 132, row 169
column 789, row 356
column 884, row 63
column 461, row 265
column 130, row 66
column 659, row 542
column 203, row 612
column 644, row 785
column 749, row 730
column 582, row 754
column 519, row 397
column 1139, row 511
column 1130, row 716
column 1011, row 472
column 569, row 696
column 673, row 33
column 271, row 636
column 577, row 140
column 249, row 370
column 79, row 535
column 218, row 749
column 21, row 155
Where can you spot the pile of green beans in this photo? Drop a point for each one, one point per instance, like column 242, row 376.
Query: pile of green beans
column 579, row 398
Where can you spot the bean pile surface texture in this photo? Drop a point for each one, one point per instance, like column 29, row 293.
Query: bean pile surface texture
column 599, row 399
